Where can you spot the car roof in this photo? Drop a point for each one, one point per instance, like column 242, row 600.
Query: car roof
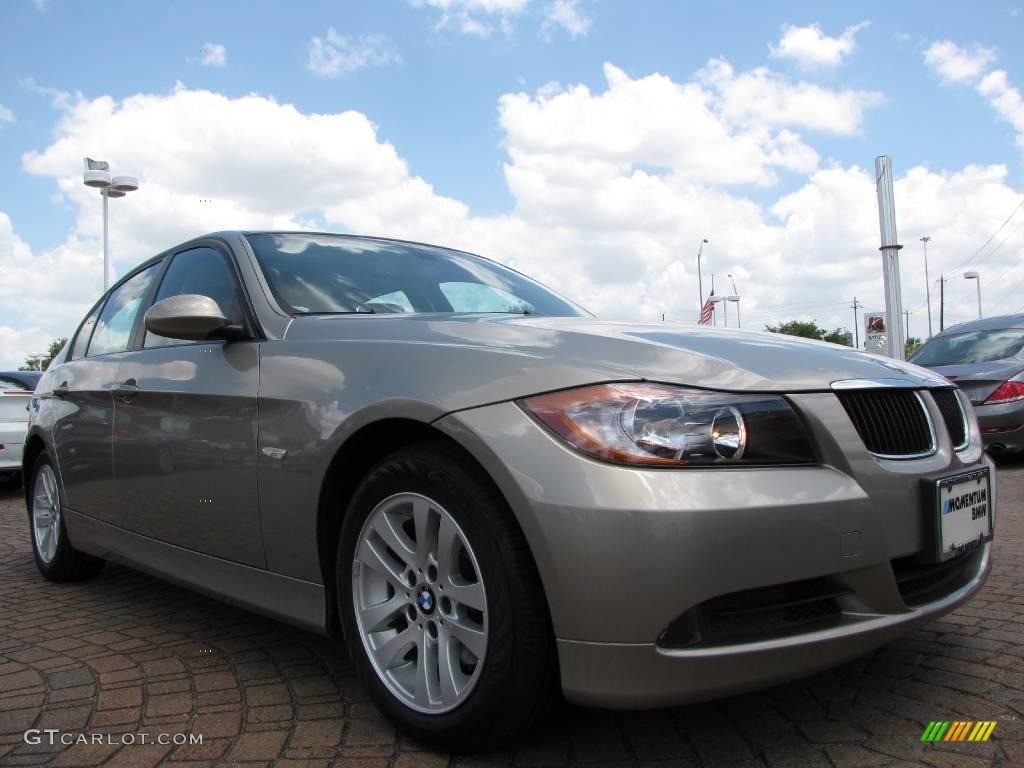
column 999, row 322
column 34, row 376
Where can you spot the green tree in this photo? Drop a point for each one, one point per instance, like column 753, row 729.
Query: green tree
column 809, row 329
column 39, row 362
column 913, row 343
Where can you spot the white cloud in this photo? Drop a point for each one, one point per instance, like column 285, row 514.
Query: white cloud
column 58, row 99
column 762, row 97
column 956, row 64
column 613, row 190
column 566, row 15
column 475, row 17
column 214, row 55
column 6, row 115
column 1005, row 99
column 334, row 54
column 810, row 47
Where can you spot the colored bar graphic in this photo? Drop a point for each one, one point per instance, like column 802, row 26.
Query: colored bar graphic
column 934, row 731
column 958, row 730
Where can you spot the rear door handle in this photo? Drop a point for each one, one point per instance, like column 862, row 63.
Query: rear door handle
column 126, row 389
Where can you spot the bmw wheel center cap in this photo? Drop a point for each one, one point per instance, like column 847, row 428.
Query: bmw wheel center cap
column 425, row 600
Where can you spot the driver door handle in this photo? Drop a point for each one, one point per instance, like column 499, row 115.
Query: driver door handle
column 126, row 389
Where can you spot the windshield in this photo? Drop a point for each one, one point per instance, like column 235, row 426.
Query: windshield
column 972, row 347
column 325, row 274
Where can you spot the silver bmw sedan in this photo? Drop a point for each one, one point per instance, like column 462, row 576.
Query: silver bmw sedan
column 484, row 489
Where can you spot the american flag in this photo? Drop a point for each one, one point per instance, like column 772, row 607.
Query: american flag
column 707, row 312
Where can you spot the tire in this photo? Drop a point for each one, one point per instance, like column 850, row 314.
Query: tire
column 504, row 688
column 55, row 557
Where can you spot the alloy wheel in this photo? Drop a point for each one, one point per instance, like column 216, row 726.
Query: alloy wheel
column 420, row 604
column 46, row 513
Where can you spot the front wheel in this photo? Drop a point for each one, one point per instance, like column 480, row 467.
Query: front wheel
column 441, row 603
column 56, row 559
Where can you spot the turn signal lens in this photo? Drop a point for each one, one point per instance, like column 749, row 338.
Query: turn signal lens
column 1008, row 392
column 659, row 425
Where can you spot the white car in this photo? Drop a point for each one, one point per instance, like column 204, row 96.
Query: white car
column 16, row 389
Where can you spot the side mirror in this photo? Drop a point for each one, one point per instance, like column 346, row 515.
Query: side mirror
column 190, row 316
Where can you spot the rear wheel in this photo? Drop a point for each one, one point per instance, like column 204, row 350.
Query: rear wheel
column 440, row 601
column 56, row 559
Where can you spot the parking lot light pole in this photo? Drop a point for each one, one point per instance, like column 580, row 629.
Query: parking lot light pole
column 927, row 283
column 700, row 277
column 975, row 276
column 97, row 175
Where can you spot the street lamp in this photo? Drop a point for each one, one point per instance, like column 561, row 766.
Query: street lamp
column 97, row 175
column 927, row 283
column 975, row 276
column 700, row 278
column 720, row 300
column 735, row 297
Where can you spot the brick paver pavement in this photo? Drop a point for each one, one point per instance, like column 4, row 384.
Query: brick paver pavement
column 127, row 653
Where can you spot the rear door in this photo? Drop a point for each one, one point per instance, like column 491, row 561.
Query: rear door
column 185, row 424
column 83, row 430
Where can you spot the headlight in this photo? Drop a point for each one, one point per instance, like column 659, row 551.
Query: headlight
column 664, row 426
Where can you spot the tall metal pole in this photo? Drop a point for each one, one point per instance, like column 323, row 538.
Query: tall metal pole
column 856, row 323
column 942, row 303
column 700, row 278
column 906, row 327
column 978, row 279
column 895, row 343
column 106, row 250
column 927, row 283
column 725, row 311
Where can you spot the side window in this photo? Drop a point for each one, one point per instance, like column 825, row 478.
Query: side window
column 396, row 301
column 114, row 328
column 477, row 297
column 204, row 271
column 85, row 333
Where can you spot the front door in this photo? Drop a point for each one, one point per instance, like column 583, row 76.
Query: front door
column 185, row 427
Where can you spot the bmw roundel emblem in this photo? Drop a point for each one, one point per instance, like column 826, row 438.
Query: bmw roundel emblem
column 425, row 600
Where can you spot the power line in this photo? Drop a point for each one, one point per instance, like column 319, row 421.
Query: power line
column 1006, row 295
column 983, row 247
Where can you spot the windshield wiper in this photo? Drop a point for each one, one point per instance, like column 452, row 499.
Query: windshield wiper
column 347, row 312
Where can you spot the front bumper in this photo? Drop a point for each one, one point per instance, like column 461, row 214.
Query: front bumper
column 624, row 552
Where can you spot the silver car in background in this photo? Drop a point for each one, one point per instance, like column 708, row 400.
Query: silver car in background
column 483, row 489
column 986, row 360
column 15, row 393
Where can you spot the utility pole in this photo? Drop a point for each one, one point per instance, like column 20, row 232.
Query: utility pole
column 906, row 324
column 856, row 323
column 927, row 283
column 942, row 303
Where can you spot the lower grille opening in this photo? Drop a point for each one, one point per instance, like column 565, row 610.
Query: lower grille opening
column 925, row 583
column 763, row 613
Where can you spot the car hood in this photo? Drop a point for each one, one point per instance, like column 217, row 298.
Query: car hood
column 587, row 349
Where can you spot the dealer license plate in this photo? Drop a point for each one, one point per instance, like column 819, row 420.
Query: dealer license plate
column 965, row 512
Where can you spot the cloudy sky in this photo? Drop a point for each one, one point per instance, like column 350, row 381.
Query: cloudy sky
column 589, row 143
